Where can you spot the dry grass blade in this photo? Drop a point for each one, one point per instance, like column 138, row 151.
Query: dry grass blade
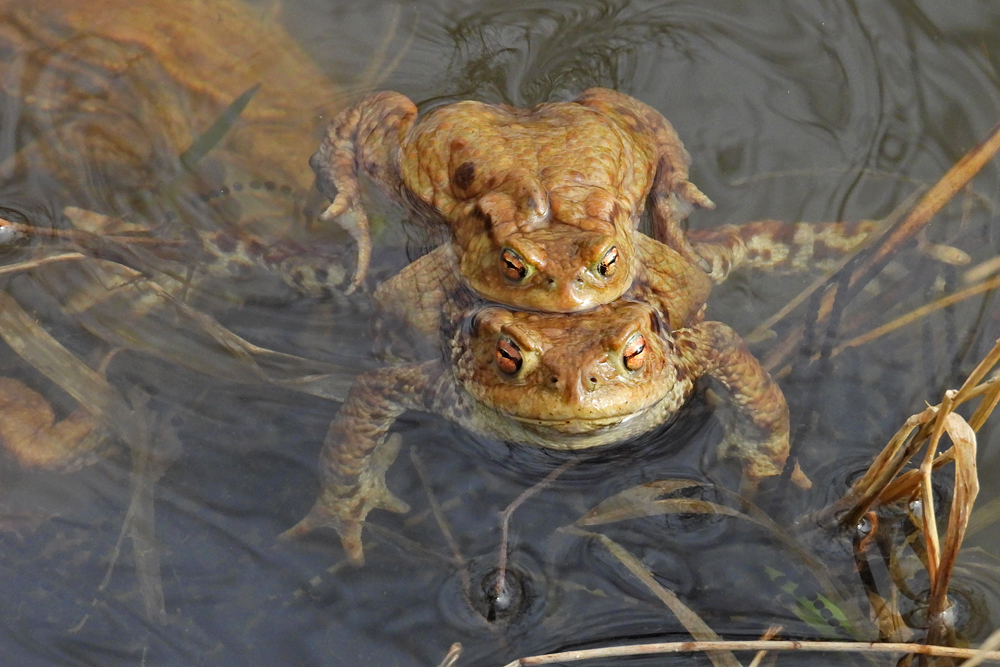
column 968, row 389
column 637, row 501
column 452, row 657
column 886, row 466
column 668, row 506
column 991, row 644
column 918, row 313
column 882, row 483
column 644, row 500
column 37, row 347
column 772, row 645
column 928, row 517
column 688, row 618
column 919, row 216
column 42, row 261
column 126, row 309
column 92, row 391
column 981, row 271
column 940, row 194
column 966, row 489
column 991, row 398
column 770, row 633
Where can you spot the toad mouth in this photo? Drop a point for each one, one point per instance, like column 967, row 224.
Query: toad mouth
column 578, row 424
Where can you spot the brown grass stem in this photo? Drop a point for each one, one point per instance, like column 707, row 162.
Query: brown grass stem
column 81, row 236
column 35, row 263
column 918, row 313
column 933, row 201
column 755, row 645
column 770, row 633
column 919, row 216
column 691, row 621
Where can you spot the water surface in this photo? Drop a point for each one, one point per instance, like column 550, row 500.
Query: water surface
column 808, row 111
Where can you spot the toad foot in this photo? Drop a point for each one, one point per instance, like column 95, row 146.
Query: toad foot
column 344, row 508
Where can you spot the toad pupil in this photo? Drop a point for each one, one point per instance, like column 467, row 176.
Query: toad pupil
column 635, row 353
column 609, row 262
column 508, row 357
column 513, row 266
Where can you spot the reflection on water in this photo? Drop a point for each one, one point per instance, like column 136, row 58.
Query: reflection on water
column 208, row 304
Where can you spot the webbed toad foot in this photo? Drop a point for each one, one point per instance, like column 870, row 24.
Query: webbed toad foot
column 345, row 507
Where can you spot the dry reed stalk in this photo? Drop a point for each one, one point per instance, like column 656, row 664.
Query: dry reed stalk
column 883, row 483
column 917, row 313
column 666, row 648
column 956, row 178
column 770, row 633
column 452, row 657
column 35, row 263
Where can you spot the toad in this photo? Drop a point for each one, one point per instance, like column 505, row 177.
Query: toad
column 561, row 381
column 542, row 204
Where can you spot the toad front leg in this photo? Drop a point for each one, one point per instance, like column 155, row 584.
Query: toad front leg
column 365, row 138
column 357, row 453
column 759, row 434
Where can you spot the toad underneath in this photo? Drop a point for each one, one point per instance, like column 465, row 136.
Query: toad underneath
column 561, row 381
column 542, row 204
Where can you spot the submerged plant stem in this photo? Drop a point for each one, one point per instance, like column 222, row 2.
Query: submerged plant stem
column 505, row 520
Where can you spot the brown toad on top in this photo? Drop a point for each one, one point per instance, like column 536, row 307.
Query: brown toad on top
column 562, row 381
column 542, row 203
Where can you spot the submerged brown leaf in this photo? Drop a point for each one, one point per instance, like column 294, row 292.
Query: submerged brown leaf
column 637, row 501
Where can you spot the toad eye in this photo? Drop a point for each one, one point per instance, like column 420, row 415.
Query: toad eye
column 634, row 355
column 508, row 357
column 512, row 266
column 609, row 263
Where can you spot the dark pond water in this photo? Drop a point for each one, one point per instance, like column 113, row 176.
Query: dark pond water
column 810, row 111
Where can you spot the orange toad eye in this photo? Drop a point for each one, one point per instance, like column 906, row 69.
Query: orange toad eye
column 511, row 265
column 634, row 355
column 609, row 263
column 508, row 357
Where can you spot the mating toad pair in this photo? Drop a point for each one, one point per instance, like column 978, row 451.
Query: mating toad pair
column 560, row 324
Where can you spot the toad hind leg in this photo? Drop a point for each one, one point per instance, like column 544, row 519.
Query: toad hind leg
column 363, row 137
column 356, row 453
column 759, row 435
column 672, row 195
